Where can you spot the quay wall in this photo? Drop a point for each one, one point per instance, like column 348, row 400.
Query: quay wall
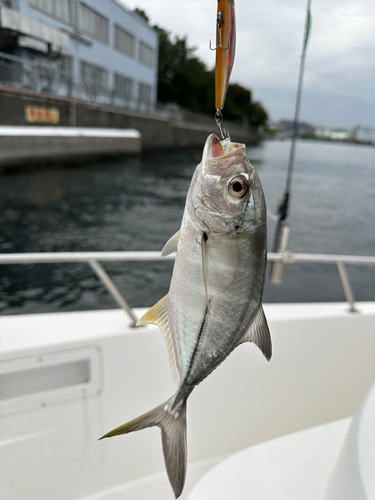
column 21, row 145
column 158, row 129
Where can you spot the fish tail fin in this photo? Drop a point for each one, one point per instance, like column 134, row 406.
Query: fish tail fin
column 173, row 433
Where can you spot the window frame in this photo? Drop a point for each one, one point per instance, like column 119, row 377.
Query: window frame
column 145, row 44
column 69, row 76
column 87, row 33
column 150, row 88
column 96, row 66
column 49, row 14
column 123, row 96
column 119, row 49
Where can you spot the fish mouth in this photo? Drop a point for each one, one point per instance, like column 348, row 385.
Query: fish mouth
column 217, row 152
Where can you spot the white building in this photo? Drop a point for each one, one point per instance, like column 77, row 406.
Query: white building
column 332, row 134
column 363, row 134
column 80, row 48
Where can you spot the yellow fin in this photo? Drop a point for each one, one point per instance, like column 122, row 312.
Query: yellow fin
column 171, row 245
column 155, row 315
column 159, row 315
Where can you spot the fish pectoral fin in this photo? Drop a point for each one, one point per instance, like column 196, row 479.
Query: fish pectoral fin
column 259, row 334
column 159, row 315
column 171, row 245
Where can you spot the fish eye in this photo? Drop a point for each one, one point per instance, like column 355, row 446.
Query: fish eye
column 238, row 187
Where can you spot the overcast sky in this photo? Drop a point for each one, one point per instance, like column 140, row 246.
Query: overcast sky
column 340, row 68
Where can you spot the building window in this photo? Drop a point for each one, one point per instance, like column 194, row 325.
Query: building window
column 92, row 23
column 93, row 75
column 61, row 9
column 123, row 86
column 144, row 93
column 146, row 54
column 65, row 68
column 124, row 41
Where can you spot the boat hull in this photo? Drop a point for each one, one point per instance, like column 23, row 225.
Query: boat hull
column 323, row 365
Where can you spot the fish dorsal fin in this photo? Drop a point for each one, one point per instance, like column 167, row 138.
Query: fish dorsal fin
column 159, row 315
column 259, row 334
column 171, row 245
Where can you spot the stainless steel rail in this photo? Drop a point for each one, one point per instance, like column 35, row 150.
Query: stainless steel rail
column 92, row 259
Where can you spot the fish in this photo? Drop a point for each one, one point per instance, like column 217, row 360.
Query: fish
column 225, row 50
column 214, row 301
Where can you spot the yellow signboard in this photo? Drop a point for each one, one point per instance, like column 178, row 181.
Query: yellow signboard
column 36, row 114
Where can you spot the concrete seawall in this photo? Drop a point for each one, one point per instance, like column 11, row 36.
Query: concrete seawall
column 158, row 129
column 23, row 145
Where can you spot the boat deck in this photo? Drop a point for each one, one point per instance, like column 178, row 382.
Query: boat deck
column 323, row 364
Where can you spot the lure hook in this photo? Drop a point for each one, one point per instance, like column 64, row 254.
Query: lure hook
column 219, row 118
column 220, row 23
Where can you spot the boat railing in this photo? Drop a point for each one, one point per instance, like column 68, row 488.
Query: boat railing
column 93, row 259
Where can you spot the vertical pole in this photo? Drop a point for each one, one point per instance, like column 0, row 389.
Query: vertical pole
column 346, row 286
column 276, row 277
column 73, row 112
column 107, row 282
column 298, row 103
column 277, row 269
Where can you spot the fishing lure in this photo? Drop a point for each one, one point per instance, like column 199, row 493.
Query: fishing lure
column 225, row 50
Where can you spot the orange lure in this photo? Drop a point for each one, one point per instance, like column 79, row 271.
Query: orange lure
column 225, row 49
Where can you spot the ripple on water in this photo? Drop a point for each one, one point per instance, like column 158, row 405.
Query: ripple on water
column 137, row 204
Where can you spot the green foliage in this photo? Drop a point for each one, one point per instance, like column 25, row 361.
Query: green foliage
column 258, row 116
column 237, row 103
column 142, row 14
column 184, row 79
column 181, row 75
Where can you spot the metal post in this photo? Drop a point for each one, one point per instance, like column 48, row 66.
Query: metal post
column 283, row 207
column 277, row 269
column 73, row 112
column 298, row 103
column 346, row 286
column 107, row 282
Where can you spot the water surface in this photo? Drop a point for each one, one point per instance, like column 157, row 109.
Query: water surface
column 137, row 204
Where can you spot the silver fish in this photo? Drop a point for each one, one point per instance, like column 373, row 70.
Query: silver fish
column 215, row 297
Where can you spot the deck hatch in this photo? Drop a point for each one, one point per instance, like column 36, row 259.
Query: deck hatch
column 54, row 377
column 45, row 378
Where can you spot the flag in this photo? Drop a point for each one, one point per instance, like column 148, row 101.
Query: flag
column 307, row 31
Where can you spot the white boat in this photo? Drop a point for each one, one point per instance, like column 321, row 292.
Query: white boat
column 255, row 429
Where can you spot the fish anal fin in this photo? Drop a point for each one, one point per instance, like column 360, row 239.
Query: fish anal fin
column 159, row 315
column 171, row 245
column 259, row 334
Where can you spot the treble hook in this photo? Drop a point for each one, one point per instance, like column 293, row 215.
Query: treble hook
column 218, row 119
column 220, row 23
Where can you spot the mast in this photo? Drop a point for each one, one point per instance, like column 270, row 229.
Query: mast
column 282, row 227
column 298, row 100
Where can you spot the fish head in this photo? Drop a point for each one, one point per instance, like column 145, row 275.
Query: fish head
column 227, row 196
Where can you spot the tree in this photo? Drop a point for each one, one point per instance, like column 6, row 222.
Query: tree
column 237, row 103
column 142, row 14
column 258, row 116
column 184, row 79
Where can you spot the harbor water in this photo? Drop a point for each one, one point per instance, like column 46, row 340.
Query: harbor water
column 137, row 204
